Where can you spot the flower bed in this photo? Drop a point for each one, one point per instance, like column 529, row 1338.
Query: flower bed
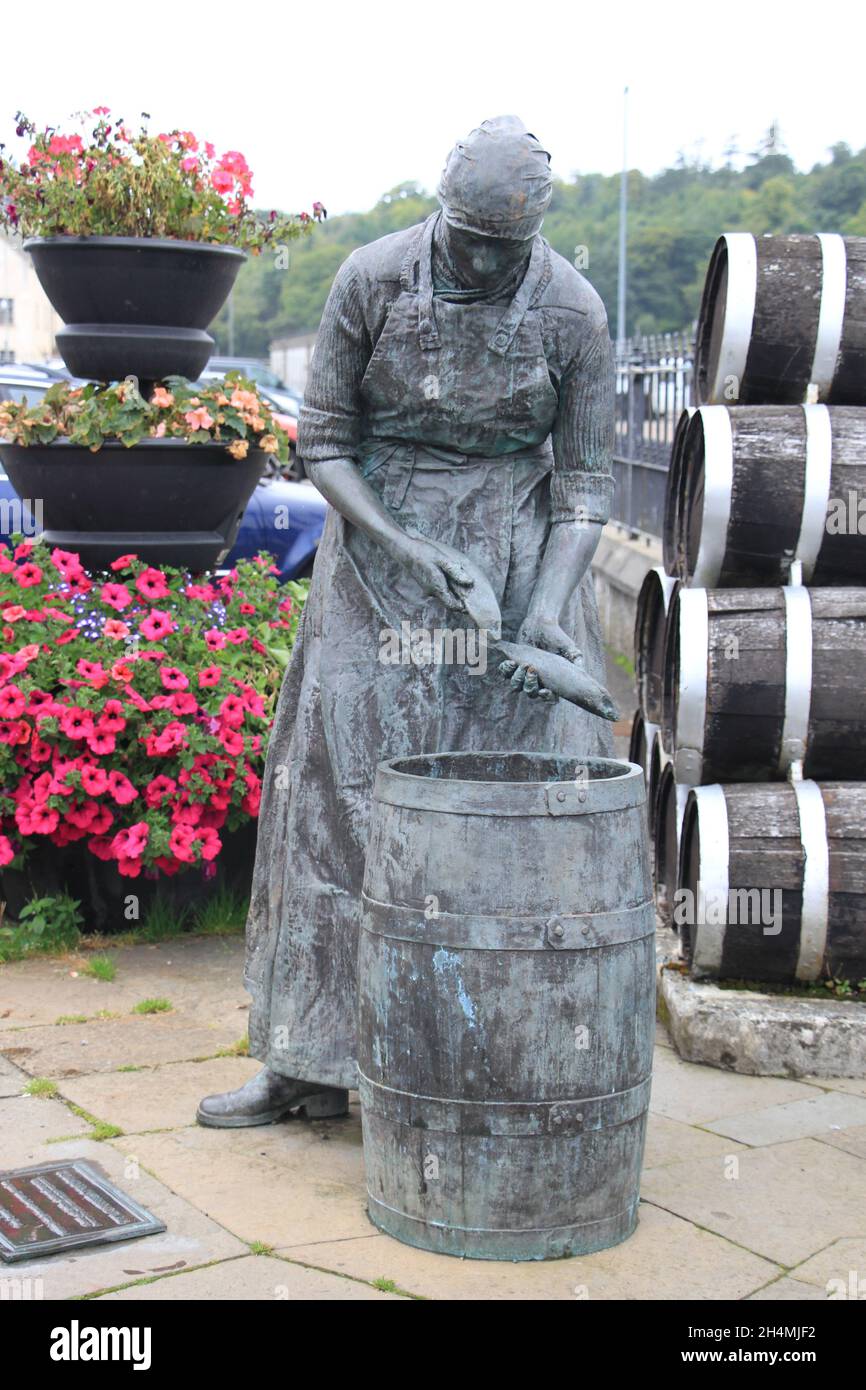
column 135, row 706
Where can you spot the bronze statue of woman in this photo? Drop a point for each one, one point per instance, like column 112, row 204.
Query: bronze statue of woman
column 461, row 392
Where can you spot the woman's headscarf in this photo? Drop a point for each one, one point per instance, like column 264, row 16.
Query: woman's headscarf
column 497, row 181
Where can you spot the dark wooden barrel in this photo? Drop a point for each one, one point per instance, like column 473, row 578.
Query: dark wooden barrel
column 782, row 888
column 646, row 749
column 670, row 803
column 507, row 1003
column 759, row 486
column 756, row 679
column 673, row 493
column 779, row 314
column 653, row 602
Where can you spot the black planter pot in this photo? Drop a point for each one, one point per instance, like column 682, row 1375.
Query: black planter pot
column 134, row 306
column 140, row 500
column 103, row 892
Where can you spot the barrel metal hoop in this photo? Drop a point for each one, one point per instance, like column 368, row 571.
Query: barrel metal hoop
column 816, row 880
column 496, row 1234
column 453, row 796
column 454, row 1115
column 694, row 642
column 718, row 490
column 816, row 486
column 708, row 936
column 479, row 932
column 831, row 316
column 798, row 675
column 739, row 311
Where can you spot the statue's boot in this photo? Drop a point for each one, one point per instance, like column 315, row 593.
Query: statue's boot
column 267, row 1097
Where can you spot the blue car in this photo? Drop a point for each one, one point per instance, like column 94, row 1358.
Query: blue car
column 284, row 518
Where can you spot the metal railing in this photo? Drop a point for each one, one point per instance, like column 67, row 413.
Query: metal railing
column 653, row 387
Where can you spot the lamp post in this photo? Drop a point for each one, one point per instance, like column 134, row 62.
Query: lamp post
column 623, row 211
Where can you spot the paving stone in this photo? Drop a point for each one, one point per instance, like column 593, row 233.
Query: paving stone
column 282, row 1184
column 839, row 1270
column 819, row 1115
column 784, row 1290
column 202, row 973
column 191, row 1238
column 157, row 1097
column 788, row 1201
column 12, row 1078
column 853, row 1140
column 670, row 1141
column 255, row 1277
column 666, row 1258
column 697, row 1094
column 26, row 1122
column 142, row 1040
column 852, row 1085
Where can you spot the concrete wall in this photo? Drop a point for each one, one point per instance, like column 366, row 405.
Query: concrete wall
column 618, row 568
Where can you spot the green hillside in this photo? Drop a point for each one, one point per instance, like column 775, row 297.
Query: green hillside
column 674, row 219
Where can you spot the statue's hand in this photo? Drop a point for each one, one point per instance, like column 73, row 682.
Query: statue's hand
column 550, row 637
column 437, row 573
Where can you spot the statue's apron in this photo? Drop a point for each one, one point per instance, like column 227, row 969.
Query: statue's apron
column 353, row 694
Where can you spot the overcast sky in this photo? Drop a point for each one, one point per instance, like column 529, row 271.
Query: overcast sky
column 341, row 101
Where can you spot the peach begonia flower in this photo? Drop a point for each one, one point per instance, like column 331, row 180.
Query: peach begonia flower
column 162, row 398
column 239, row 448
column 199, row 419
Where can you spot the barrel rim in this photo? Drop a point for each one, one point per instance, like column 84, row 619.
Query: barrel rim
column 651, row 613
column 557, row 797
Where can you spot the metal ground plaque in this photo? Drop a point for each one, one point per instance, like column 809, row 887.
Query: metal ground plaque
column 61, row 1206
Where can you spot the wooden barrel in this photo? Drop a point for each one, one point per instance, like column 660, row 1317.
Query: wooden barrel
column 507, row 1003
column 756, row 679
column 780, row 314
column 653, row 602
column 647, row 750
column 673, row 493
column 670, row 804
column 772, row 882
column 760, row 486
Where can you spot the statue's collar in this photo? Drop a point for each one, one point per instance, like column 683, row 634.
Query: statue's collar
column 531, row 287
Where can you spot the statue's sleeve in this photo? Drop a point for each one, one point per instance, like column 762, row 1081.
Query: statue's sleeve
column 582, row 486
column 330, row 418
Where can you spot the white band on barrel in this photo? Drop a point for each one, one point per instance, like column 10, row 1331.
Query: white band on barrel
column 736, row 333
column 816, row 880
column 816, row 486
column 691, row 713
column 718, row 486
column 708, row 936
column 834, row 278
column 798, row 675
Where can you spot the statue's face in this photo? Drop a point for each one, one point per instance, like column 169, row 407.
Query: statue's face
column 484, row 260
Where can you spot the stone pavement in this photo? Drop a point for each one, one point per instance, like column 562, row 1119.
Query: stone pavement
column 754, row 1187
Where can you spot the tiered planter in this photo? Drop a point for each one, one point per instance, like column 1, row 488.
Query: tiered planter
column 138, row 307
column 134, row 306
column 167, row 501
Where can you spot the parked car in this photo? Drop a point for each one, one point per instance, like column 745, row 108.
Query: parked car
column 251, row 367
column 282, row 516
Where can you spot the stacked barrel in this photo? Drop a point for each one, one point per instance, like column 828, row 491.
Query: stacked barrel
column 751, row 641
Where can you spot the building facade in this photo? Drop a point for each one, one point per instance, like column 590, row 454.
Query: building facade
column 28, row 323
